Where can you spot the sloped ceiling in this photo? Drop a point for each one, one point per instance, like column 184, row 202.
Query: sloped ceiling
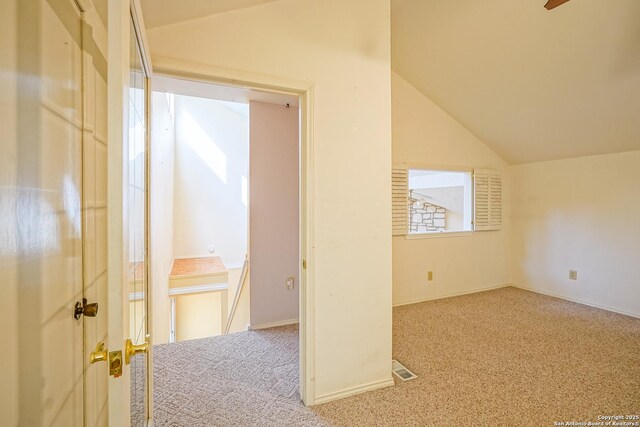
column 533, row 84
column 164, row 12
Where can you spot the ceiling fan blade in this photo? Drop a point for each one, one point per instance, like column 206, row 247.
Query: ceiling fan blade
column 554, row 3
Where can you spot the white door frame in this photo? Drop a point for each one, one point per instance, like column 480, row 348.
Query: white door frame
column 119, row 22
column 218, row 75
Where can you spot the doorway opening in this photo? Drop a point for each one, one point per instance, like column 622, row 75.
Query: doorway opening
column 225, row 241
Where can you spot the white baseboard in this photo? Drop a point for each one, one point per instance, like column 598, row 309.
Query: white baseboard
column 354, row 390
column 455, row 294
column 237, row 266
column 602, row 307
column 273, row 324
column 207, row 255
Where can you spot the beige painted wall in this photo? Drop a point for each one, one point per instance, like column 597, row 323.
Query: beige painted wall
column 342, row 47
column 424, row 133
column 161, row 212
column 274, row 205
column 579, row 214
column 198, row 316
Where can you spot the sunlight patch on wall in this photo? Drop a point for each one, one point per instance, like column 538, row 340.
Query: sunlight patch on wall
column 205, row 148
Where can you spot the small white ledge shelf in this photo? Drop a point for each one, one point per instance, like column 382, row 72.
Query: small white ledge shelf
column 198, row 289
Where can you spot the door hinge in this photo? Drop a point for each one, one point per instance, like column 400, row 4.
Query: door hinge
column 304, row 264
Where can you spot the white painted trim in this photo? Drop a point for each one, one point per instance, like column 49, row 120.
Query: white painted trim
column 138, row 19
column 436, row 167
column 207, row 255
column 177, row 68
column 172, row 67
column 119, row 21
column 307, row 295
column 189, row 276
column 236, row 298
column 273, row 324
column 234, row 266
column 172, row 331
column 601, row 307
column 136, row 296
column 456, row 294
column 438, row 235
column 216, row 287
column 524, row 288
column 355, row 390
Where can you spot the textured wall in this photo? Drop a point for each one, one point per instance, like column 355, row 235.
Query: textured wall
column 342, row 49
column 426, row 135
column 579, row 214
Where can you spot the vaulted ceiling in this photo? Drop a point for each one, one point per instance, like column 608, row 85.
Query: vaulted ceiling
column 532, row 84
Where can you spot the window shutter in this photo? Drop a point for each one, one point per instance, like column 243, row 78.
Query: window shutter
column 487, row 186
column 399, row 201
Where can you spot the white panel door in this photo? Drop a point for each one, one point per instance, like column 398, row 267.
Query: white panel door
column 40, row 212
column 129, row 396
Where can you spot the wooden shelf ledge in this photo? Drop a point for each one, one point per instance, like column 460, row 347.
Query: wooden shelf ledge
column 191, row 272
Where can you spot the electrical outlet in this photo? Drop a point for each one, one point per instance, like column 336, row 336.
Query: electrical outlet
column 573, row 275
column 429, row 276
column 289, row 283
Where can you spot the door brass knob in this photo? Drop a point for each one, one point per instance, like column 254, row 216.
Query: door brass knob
column 99, row 354
column 89, row 310
column 131, row 350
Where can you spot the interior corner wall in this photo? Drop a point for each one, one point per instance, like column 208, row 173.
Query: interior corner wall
column 274, row 208
column 211, row 173
column 342, row 48
column 161, row 211
column 425, row 134
column 579, row 214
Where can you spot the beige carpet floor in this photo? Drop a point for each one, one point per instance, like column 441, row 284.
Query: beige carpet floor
column 506, row 357
column 242, row 379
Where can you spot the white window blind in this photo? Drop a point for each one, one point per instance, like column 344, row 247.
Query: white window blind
column 487, row 186
column 399, row 200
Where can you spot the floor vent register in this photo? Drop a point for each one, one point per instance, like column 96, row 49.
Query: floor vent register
column 401, row 371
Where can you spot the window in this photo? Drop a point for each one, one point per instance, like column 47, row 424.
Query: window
column 439, row 201
column 432, row 201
